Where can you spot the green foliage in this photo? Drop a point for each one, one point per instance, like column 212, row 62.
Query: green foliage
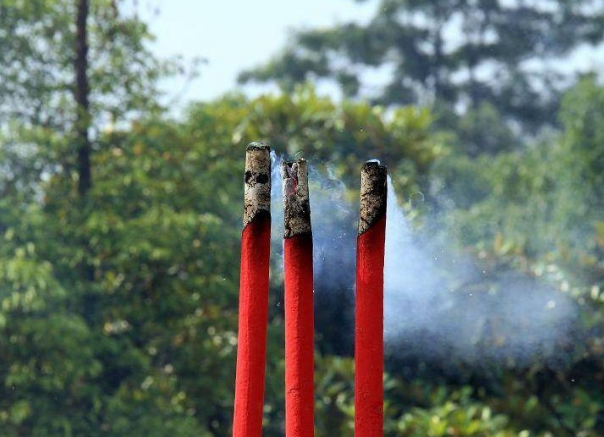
column 37, row 83
column 37, row 37
column 525, row 196
column 478, row 131
column 147, row 347
column 118, row 311
column 303, row 123
column 459, row 416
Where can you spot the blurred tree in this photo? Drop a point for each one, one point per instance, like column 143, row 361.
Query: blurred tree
column 82, row 97
column 72, row 66
column 553, row 185
column 458, row 54
column 118, row 308
column 582, row 115
column 118, row 316
column 60, row 370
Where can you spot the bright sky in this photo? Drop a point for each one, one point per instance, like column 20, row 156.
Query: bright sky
column 235, row 34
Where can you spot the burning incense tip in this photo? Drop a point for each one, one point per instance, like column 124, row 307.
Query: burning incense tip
column 373, row 194
column 296, row 198
column 257, row 196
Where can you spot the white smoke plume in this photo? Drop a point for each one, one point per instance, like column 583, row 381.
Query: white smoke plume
column 438, row 305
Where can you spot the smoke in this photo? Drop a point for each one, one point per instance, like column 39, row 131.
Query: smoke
column 442, row 305
column 439, row 305
column 334, row 238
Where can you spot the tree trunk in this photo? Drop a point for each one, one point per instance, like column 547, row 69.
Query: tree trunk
column 82, row 134
column 82, row 98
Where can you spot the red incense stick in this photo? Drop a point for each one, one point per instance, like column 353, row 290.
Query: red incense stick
column 299, row 325
column 369, row 324
column 253, row 293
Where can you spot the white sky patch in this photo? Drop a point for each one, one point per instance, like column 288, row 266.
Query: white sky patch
column 233, row 35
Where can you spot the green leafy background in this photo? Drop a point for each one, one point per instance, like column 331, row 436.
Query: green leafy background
column 118, row 310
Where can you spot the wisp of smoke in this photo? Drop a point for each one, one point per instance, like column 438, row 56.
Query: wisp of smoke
column 334, row 238
column 511, row 318
column 428, row 314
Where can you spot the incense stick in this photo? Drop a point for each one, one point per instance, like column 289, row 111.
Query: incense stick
column 299, row 323
column 369, row 323
column 253, row 293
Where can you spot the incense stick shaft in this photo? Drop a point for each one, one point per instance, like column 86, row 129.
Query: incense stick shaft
column 299, row 319
column 253, row 295
column 369, row 309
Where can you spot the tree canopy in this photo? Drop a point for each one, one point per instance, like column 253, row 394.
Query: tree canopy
column 118, row 304
column 456, row 55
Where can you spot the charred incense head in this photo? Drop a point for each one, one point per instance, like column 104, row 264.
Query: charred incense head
column 296, row 198
column 257, row 196
column 373, row 194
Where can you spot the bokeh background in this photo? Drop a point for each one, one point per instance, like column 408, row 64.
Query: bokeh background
column 123, row 126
